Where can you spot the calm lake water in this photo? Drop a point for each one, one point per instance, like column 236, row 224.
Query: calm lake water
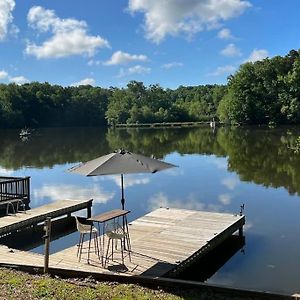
column 218, row 171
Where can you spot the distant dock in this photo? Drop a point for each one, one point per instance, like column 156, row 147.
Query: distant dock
column 163, row 124
column 164, row 242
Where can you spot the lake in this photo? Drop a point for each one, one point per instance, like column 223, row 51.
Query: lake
column 219, row 170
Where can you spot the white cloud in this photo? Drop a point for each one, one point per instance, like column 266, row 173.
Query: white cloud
column 6, row 18
column 18, row 79
column 248, row 226
column 93, row 62
column 138, row 69
column 223, row 70
column 44, row 20
column 231, row 50
column 161, row 200
column 225, row 34
column 129, row 180
column 70, row 36
column 230, row 183
column 120, row 58
column 172, row 65
column 14, row 30
column 3, row 74
column 220, row 163
column 225, row 199
column 70, row 191
column 6, row 172
column 257, row 54
column 164, row 18
column 86, row 81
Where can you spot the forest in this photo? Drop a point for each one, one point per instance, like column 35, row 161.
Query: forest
column 263, row 92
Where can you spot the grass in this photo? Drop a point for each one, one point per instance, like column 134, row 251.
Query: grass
column 20, row 285
column 23, row 286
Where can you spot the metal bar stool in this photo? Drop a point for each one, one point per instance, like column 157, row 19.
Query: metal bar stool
column 86, row 227
column 116, row 233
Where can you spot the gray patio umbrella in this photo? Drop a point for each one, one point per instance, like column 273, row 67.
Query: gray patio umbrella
column 120, row 162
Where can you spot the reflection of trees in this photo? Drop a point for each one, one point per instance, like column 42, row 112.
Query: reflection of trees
column 159, row 142
column 263, row 156
column 67, row 145
column 258, row 155
column 48, row 147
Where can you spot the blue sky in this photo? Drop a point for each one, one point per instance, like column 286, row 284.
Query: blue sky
column 167, row 42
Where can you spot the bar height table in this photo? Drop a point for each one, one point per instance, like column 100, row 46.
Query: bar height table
column 105, row 217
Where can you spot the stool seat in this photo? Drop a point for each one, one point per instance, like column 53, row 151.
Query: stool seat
column 86, row 227
column 116, row 233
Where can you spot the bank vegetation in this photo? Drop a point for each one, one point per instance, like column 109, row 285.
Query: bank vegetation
column 262, row 92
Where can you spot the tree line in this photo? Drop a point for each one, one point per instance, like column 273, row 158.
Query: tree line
column 44, row 105
column 263, row 92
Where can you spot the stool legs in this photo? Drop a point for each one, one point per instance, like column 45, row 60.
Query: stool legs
column 110, row 243
column 80, row 244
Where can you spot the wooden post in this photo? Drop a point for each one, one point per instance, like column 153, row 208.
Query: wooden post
column 28, row 188
column 241, row 231
column 89, row 209
column 47, row 228
column 241, row 213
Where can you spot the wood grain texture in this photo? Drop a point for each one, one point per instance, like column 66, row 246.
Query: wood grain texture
column 163, row 241
column 36, row 215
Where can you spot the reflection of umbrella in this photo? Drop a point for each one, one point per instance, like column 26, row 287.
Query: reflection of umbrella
column 120, row 162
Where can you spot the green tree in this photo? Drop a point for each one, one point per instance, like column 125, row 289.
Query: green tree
column 263, row 92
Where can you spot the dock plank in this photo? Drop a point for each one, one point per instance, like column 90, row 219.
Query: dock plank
column 31, row 217
column 164, row 240
column 174, row 235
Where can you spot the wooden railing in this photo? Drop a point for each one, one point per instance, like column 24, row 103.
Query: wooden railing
column 15, row 188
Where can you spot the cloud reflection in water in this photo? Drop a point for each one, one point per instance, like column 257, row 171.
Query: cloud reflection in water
column 5, row 172
column 71, row 191
column 161, row 200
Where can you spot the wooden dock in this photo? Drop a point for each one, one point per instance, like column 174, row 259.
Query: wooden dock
column 164, row 124
column 36, row 215
column 164, row 242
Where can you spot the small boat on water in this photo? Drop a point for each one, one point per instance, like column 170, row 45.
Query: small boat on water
column 25, row 132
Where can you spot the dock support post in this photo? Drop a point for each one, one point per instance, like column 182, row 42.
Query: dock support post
column 241, row 233
column 89, row 209
column 47, row 228
column 241, row 213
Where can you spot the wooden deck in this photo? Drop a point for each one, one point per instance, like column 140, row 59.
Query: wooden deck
column 164, row 124
column 36, row 215
column 164, row 241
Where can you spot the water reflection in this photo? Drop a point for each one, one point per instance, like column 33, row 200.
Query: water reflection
column 72, row 191
column 218, row 171
column 29, row 238
column 161, row 199
column 208, row 265
column 51, row 146
column 260, row 155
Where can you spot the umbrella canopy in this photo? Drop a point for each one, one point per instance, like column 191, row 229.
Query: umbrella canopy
column 120, row 162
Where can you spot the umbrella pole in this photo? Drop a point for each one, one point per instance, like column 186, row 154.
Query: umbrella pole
column 122, row 188
column 123, row 204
